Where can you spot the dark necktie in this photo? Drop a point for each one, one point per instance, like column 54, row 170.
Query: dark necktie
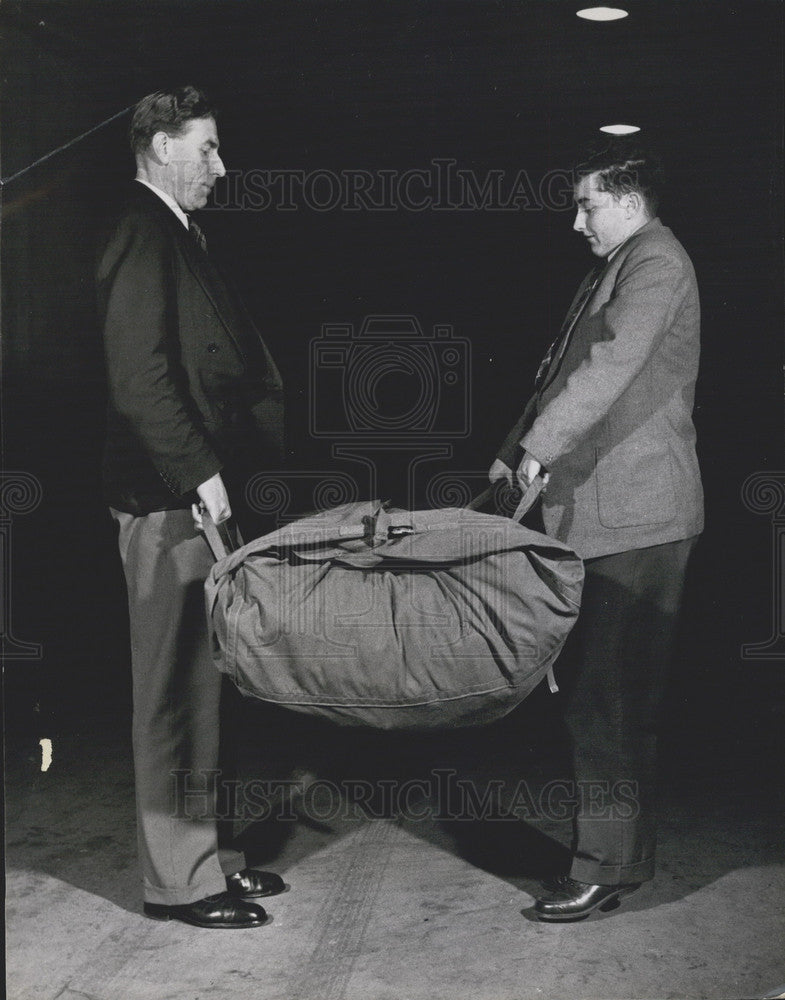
column 197, row 234
column 592, row 280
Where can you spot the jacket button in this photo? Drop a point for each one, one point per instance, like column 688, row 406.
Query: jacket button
column 212, row 348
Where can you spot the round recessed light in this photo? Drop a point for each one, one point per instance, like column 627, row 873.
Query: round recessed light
column 602, row 13
column 620, row 129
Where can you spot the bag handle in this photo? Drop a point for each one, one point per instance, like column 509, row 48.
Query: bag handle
column 524, row 505
column 223, row 538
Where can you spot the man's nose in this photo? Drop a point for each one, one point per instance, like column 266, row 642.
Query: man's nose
column 580, row 222
column 217, row 166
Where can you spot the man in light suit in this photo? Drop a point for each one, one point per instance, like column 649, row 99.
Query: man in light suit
column 609, row 428
column 195, row 405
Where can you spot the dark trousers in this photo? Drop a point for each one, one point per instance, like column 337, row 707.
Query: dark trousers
column 615, row 667
column 176, row 709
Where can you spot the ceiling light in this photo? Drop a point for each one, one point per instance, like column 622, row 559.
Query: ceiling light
column 620, row 129
column 602, row 13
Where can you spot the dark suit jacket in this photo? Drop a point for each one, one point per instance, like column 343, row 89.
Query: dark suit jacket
column 612, row 421
column 192, row 387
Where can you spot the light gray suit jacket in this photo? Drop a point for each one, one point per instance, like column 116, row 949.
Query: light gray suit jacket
column 612, row 421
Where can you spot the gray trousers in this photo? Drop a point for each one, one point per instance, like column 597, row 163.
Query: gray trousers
column 176, row 708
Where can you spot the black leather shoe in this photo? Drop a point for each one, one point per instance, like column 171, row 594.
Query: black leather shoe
column 567, row 899
column 250, row 883
column 220, row 910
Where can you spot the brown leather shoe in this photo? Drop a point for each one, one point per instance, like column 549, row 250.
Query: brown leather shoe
column 250, row 882
column 567, row 899
column 221, row 910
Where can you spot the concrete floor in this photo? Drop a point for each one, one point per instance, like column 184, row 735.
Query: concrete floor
column 406, row 906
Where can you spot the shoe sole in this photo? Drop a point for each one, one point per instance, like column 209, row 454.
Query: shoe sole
column 611, row 903
column 258, row 895
column 198, row 923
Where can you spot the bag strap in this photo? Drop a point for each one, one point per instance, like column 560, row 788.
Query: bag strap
column 524, row 505
column 223, row 538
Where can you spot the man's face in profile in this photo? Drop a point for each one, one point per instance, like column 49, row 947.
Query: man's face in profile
column 603, row 219
column 195, row 164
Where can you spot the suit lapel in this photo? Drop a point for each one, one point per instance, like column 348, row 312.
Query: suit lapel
column 192, row 256
column 582, row 298
column 594, row 277
column 196, row 260
column 218, row 290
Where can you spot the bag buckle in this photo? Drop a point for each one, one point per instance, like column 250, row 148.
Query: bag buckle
column 399, row 531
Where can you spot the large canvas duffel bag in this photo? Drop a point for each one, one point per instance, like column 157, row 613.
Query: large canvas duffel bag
column 394, row 619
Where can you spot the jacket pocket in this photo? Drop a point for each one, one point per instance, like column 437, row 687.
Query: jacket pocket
column 635, row 485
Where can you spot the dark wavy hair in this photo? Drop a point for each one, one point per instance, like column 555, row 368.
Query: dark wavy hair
column 623, row 166
column 167, row 111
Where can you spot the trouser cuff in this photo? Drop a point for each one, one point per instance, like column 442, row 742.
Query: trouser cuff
column 186, row 894
column 594, row 873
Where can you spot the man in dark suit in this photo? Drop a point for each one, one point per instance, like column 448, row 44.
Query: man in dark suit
column 195, row 405
column 609, row 428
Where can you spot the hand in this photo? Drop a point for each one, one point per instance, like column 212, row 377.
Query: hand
column 213, row 499
column 500, row 470
column 528, row 471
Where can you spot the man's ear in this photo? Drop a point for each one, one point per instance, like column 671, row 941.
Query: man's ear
column 634, row 203
column 161, row 146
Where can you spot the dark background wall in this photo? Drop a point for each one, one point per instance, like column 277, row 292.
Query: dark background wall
column 504, row 86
